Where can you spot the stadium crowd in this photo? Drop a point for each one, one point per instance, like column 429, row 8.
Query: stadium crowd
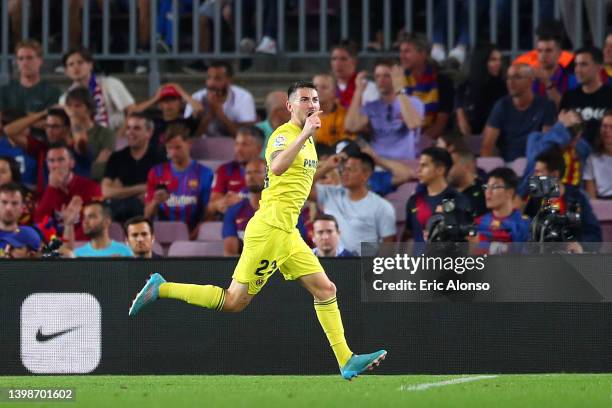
column 92, row 172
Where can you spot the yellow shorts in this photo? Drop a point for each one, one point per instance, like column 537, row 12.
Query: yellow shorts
column 268, row 249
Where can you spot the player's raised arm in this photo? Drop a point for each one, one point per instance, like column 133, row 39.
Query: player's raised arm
column 282, row 159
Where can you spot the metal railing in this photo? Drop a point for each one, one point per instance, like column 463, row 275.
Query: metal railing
column 343, row 13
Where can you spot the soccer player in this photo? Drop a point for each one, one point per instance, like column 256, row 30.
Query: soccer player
column 272, row 242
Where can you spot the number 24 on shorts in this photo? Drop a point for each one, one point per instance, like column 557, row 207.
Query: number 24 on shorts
column 263, row 267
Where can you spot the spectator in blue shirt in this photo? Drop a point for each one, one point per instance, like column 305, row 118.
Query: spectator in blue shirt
column 516, row 115
column 96, row 223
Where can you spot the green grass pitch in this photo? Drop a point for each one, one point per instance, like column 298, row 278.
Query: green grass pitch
column 543, row 390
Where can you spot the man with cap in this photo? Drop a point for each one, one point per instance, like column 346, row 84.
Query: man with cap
column 171, row 100
column 25, row 242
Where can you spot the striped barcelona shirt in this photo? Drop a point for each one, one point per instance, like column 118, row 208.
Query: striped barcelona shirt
column 562, row 79
column 426, row 89
column 189, row 191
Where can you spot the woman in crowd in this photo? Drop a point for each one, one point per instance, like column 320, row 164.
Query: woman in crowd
column 476, row 96
column 597, row 180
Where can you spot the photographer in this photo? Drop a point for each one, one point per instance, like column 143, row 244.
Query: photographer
column 502, row 223
column 434, row 165
column 566, row 137
column 465, row 178
column 551, row 164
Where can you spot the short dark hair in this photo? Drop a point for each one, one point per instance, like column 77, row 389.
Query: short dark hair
column 454, row 139
column 10, row 115
column 177, row 129
column 60, row 145
column 297, row 85
column 365, row 159
column 106, row 210
column 387, row 62
column 14, row 167
column 440, row 157
column 418, row 40
column 553, row 159
column 11, row 187
column 326, row 217
column 507, row 175
column 31, row 44
column 81, row 94
column 60, row 113
column 324, row 150
column 254, row 132
column 593, row 51
column 465, row 154
column 138, row 220
column 347, row 45
column 141, row 115
column 82, row 51
column 223, row 64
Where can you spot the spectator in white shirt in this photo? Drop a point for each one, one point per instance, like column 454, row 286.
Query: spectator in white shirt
column 226, row 106
column 112, row 98
column 363, row 216
column 597, row 181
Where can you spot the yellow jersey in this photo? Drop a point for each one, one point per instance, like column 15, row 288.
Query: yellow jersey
column 283, row 196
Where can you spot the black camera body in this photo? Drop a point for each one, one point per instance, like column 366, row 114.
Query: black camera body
column 51, row 249
column 544, row 187
column 549, row 225
column 451, row 225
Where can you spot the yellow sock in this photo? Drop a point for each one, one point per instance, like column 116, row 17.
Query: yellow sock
column 331, row 321
column 208, row 296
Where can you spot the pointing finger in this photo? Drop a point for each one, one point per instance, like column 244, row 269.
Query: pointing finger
column 317, row 113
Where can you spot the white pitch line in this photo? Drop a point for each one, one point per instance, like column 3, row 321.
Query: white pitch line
column 426, row 386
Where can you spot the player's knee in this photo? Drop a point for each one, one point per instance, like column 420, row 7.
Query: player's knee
column 326, row 291
column 234, row 307
column 235, row 304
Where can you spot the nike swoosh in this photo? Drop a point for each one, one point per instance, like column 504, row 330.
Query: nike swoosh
column 46, row 337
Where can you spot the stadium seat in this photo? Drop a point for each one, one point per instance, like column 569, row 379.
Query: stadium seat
column 166, row 232
column 157, row 248
column 403, row 192
column 474, row 142
column 602, row 209
column 213, row 148
column 212, row 164
column 116, row 232
column 399, row 198
column 519, row 165
column 489, row 163
column 196, row 248
column 423, row 143
column 603, row 212
column 210, row 231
